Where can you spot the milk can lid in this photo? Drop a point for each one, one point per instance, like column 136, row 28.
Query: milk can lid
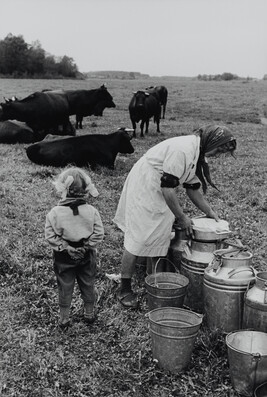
column 210, row 225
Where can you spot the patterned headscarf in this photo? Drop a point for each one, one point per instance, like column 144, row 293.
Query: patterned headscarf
column 212, row 137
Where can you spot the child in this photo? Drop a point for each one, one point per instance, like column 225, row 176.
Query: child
column 73, row 228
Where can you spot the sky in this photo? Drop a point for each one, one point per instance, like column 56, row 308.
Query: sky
column 155, row 37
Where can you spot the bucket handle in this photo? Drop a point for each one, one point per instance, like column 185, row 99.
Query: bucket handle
column 155, row 272
column 240, row 270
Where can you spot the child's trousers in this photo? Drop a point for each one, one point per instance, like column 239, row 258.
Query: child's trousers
column 68, row 270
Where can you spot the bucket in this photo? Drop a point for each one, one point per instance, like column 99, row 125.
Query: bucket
column 173, row 333
column 255, row 308
column 247, row 355
column 165, row 289
column 261, row 391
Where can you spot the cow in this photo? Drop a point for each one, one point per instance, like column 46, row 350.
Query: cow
column 88, row 102
column 82, row 150
column 161, row 93
column 142, row 107
column 40, row 110
column 12, row 131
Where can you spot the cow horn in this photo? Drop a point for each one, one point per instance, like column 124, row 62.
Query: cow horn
column 129, row 129
column 134, row 92
column 147, row 93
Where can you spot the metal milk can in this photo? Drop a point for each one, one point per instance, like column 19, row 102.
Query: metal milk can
column 225, row 282
column 255, row 306
column 177, row 246
column 195, row 258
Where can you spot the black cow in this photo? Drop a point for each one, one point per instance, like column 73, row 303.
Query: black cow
column 40, row 110
column 12, row 131
column 82, row 150
column 161, row 93
column 142, row 107
column 88, row 102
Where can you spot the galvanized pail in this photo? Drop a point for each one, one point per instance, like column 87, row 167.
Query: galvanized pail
column 247, row 355
column 261, row 391
column 173, row 332
column 255, row 307
column 224, row 287
column 165, row 289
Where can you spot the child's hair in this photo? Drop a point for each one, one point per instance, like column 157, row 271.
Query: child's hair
column 74, row 182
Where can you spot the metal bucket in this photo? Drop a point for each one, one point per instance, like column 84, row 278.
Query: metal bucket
column 255, row 307
column 224, row 287
column 165, row 289
column 261, row 391
column 193, row 264
column 247, row 355
column 173, row 333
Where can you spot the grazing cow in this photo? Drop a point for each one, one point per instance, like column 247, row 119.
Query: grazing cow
column 40, row 110
column 161, row 93
column 88, row 102
column 82, row 150
column 142, row 107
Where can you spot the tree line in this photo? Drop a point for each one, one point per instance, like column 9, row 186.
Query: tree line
column 19, row 59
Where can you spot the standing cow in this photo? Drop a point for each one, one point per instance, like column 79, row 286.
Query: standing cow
column 161, row 93
column 88, row 102
column 142, row 107
column 82, row 150
column 41, row 111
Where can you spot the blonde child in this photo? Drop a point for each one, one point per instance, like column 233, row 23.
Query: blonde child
column 73, row 229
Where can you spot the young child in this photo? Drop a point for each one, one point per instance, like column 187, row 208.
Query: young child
column 73, row 229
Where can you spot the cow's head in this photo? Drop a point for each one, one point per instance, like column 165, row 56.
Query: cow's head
column 140, row 98
column 104, row 100
column 125, row 145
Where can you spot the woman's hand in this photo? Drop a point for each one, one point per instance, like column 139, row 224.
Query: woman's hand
column 185, row 223
column 213, row 215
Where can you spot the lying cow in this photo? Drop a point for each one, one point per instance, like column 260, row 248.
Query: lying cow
column 88, row 102
column 142, row 107
column 13, row 131
column 82, row 150
column 41, row 111
column 161, row 93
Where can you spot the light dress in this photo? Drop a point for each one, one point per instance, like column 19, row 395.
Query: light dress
column 142, row 213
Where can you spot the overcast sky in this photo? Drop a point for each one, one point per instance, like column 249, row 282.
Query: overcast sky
column 157, row 37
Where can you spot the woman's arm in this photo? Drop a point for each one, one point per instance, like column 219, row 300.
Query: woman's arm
column 201, row 203
column 172, row 201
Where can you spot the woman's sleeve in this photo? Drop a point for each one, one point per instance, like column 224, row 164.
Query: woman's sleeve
column 175, row 164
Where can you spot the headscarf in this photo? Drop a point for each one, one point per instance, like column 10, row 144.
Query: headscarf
column 211, row 137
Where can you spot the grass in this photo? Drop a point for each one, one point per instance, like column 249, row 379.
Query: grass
column 113, row 357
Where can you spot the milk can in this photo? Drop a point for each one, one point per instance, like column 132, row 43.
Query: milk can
column 224, row 286
column 255, row 306
column 197, row 256
column 177, row 246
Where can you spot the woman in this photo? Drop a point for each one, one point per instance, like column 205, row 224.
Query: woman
column 149, row 204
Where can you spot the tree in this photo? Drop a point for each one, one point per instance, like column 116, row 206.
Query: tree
column 36, row 59
column 66, row 67
column 14, row 52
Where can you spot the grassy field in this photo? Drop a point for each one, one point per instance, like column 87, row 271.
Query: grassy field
column 113, row 357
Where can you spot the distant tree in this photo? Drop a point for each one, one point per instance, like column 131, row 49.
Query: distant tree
column 36, row 59
column 66, row 67
column 14, row 53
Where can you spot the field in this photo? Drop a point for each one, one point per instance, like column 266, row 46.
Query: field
column 113, row 357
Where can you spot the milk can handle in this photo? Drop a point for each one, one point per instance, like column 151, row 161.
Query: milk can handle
column 240, row 270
